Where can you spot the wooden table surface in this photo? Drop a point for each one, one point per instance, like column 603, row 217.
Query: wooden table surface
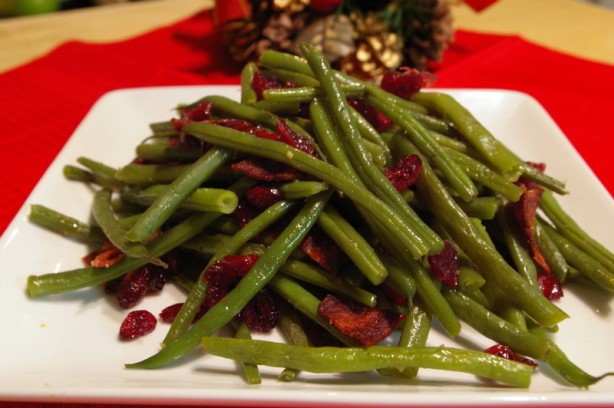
column 577, row 28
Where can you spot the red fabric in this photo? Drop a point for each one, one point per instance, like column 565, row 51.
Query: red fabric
column 42, row 102
column 479, row 5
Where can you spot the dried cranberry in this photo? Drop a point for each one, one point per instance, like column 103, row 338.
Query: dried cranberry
column 367, row 325
column 261, row 83
column 261, row 313
column 406, row 81
column 504, row 351
column 377, row 119
column 405, row 172
column 169, row 313
column 444, row 265
column 291, row 138
column 136, row 324
column 266, row 170
column 550, row 286
column 141, row 281
column 222, row 274
column 245, row 213
column 263, row 196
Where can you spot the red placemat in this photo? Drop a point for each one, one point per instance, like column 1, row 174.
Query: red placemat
column 43, row 102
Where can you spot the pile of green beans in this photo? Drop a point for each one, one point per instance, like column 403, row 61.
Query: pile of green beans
column 180, row 198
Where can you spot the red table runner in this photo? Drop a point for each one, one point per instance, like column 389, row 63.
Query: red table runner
column 43, row 102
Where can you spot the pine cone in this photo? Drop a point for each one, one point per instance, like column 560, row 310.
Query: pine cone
column 282, row 27
column 429, row 35
column 377, row 48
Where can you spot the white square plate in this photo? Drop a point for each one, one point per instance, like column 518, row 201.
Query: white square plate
column 65, row 347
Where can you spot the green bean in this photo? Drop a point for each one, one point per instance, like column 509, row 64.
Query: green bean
column 65, row 225
column 162, row 128
column 414, row 334
column 453, row 174
column 398, row 279
column 163, row 152
column 373, row 176
column 252, row 373
column 97, row 167
column 283, row 153
column 248, row 94
column 254, row 114
column 292, row 328
column 103, row 214
column 515, row 245
column 353, row 245
column 469, row 279
column 326, row 136
column 316, row 276
column 304, row 94
column 78, row 174
column 354, row 359
column 301, row 189
column 168, row 201
column 495, row 328
column 201, row 199
column 551, row 253
column 531, row 173
column 515, row 316
column 278, row 107
column 490, row 263
column 573, row 232
column 258, row 276
column 563, row 366
column 484, row 208
column 52, row 283
column 449, row 142
column 296, row 78
column 197, row 293
column 432, row 298
column 368, row 132
column 490, row 148
column 576, row 257
column 482, row 174
column 149, row 173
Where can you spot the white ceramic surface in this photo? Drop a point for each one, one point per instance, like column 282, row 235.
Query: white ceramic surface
column 65, row 347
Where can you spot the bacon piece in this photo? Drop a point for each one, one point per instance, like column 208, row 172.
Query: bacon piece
column 320, row 248
column 444, row 265
column 406, row 81
column 405, row 172
column 525, row 212
column 504, row 351
column 377, row 119
column 367, row 325
column 105, row 256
